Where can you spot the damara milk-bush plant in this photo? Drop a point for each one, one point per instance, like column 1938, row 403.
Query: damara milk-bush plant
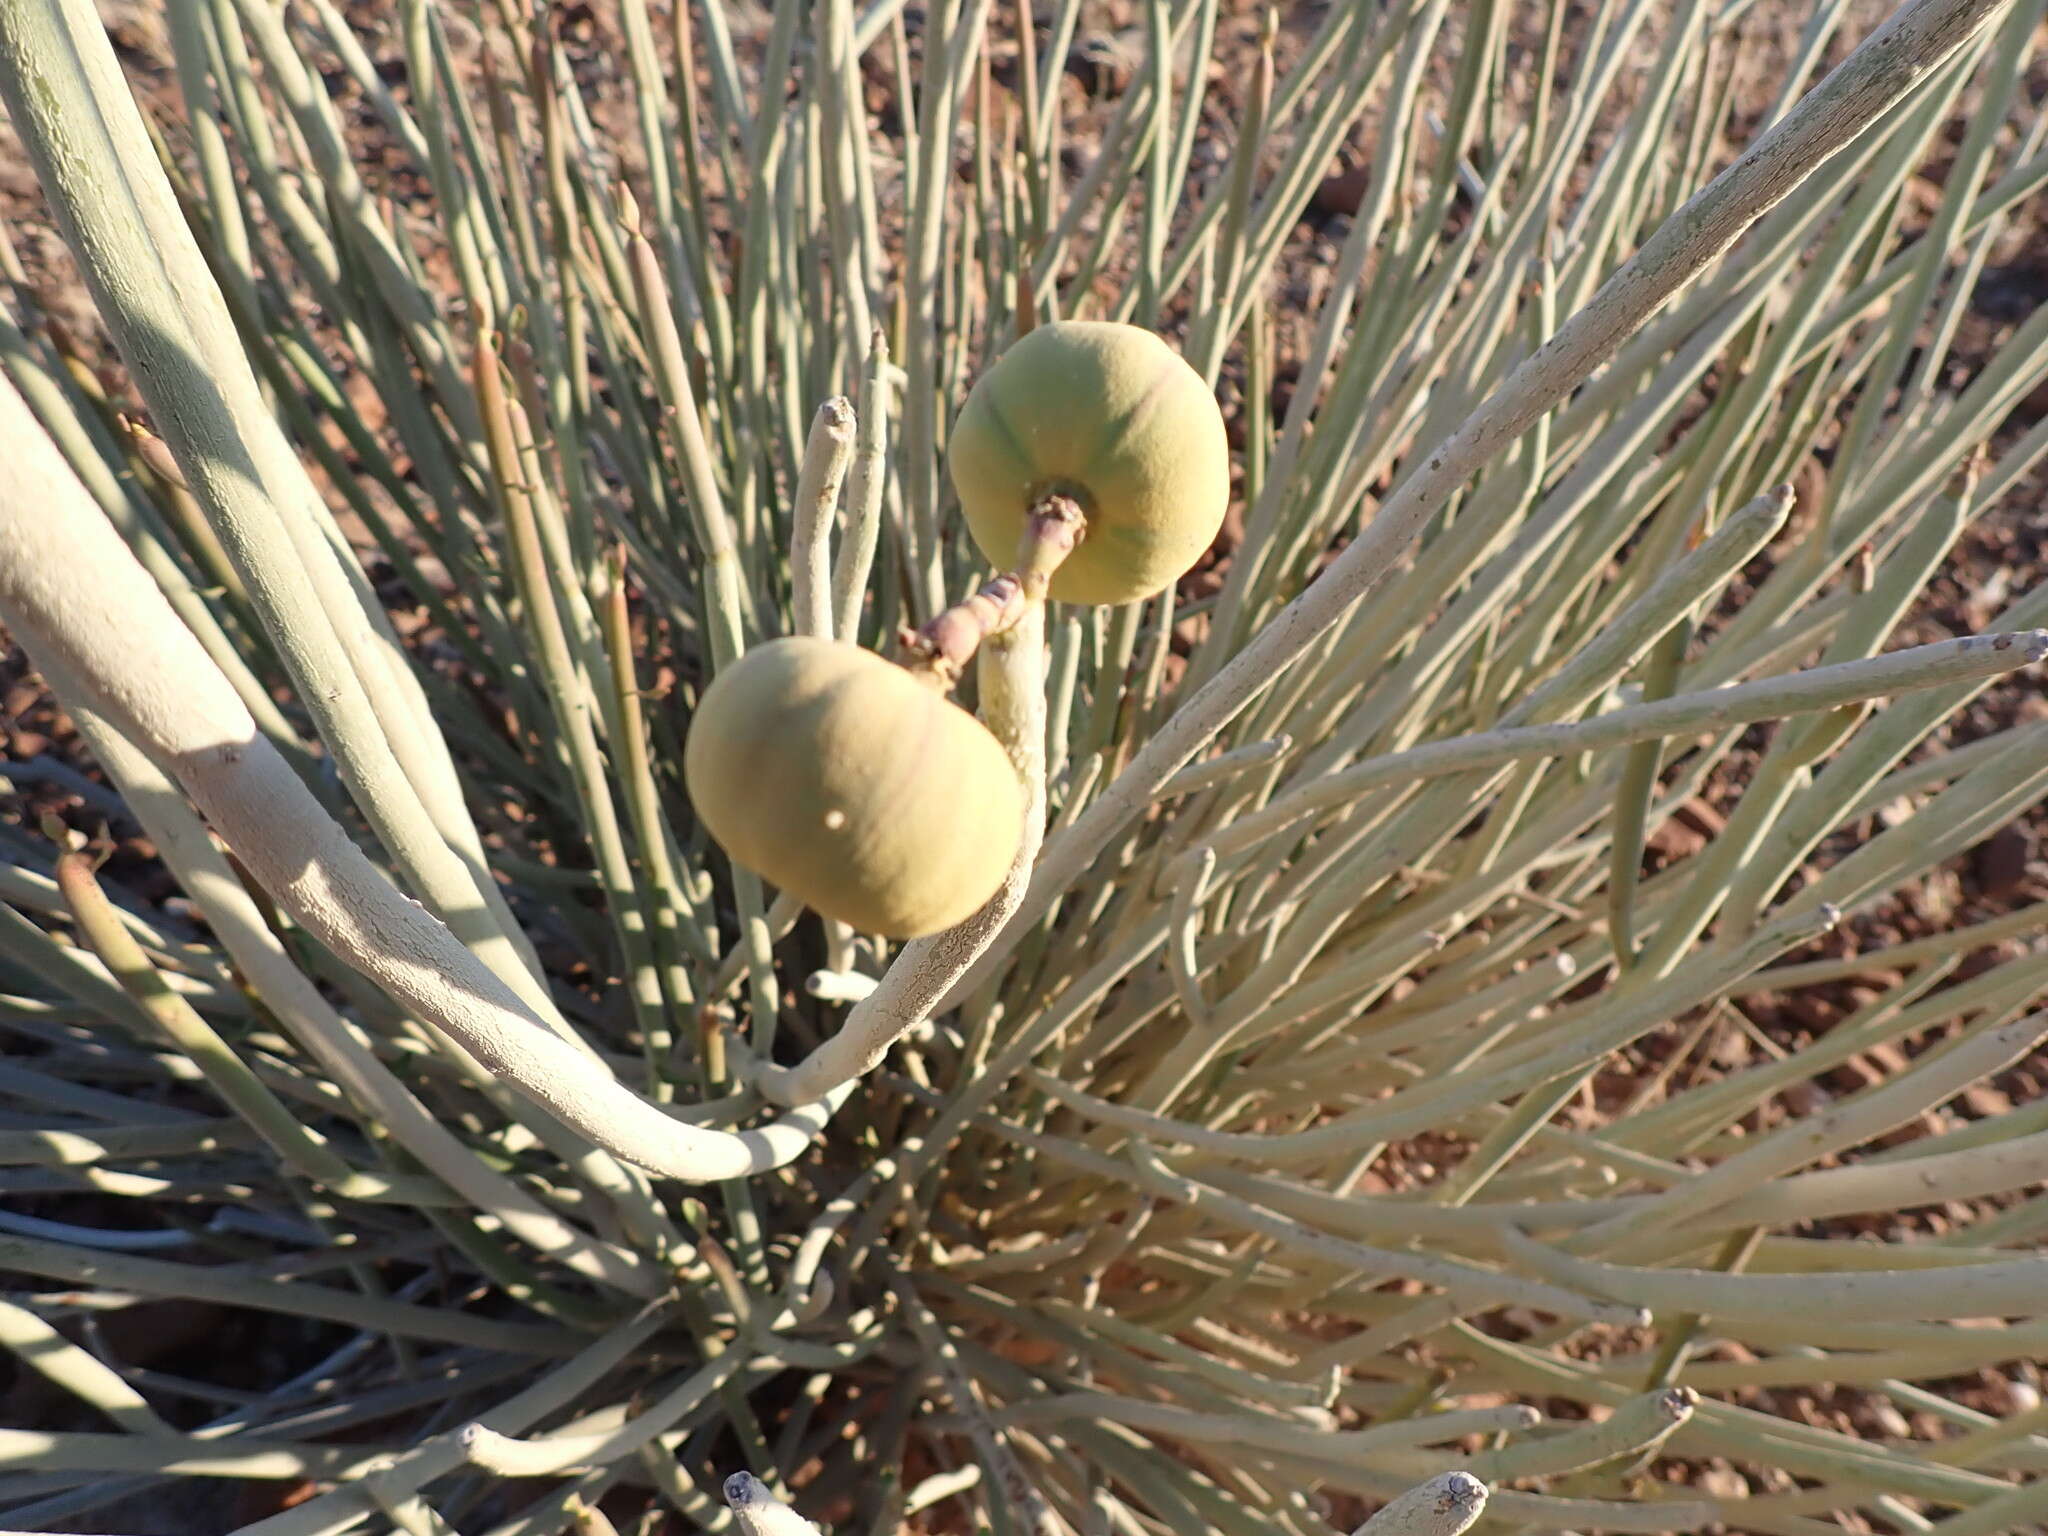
column 753, row 947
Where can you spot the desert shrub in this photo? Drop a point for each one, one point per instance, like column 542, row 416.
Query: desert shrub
column 1455, row 1006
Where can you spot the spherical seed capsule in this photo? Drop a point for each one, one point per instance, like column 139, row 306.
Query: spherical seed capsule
column 1111, row 416
column 855, row 787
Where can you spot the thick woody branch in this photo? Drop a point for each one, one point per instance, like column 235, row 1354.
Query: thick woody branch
column 72, row 590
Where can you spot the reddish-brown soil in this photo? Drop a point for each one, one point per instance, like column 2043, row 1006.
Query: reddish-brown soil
column 2004, row 553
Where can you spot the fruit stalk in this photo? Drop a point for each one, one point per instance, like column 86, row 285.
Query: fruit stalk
column 940, row 650
column 1004, row 614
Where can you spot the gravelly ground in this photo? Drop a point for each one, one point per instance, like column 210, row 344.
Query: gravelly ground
column 2005, row 552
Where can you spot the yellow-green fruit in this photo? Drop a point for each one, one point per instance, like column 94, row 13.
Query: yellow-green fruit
column 859, row 790
column 1110, row 415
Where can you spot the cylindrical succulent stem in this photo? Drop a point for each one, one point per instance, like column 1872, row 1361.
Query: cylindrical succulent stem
column 1448, row 1503
column 827, row 455
column 138, row 257
column 229, row 1077
column 865, row 485
column 77, row 599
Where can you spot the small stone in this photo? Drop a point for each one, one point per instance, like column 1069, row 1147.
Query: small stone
column 1873, row 1066
column 1342, row 193
column 1985, row 1101
column 1814, row 1012
column 2033, row 404
column 1103, row 64
column 1937, row 897
column 1733, row 1049
column 1998, row 865
column 1701, row 817
column 1807, row 1098
column 1723, row 1483
column 1673, row 840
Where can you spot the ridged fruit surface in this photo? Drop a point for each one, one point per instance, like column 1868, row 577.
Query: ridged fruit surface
column 1110, row 415
column 840, row 778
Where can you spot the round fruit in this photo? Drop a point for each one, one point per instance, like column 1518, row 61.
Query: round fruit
column 853, row 786
column 1111, row 416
